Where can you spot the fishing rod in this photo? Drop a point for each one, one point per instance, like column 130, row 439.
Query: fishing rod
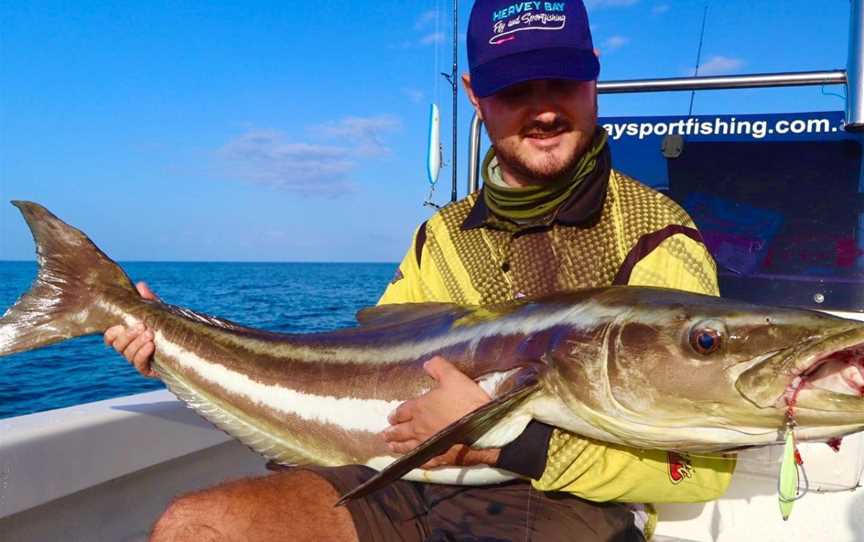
column 435, row 155
column 455, row 87
column 698, row 57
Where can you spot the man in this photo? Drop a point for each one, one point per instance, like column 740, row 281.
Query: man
column 552, row 216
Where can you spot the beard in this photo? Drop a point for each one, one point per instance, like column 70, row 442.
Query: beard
column 542, row 169
column 543, row 166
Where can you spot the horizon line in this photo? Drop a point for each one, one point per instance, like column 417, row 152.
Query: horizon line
column 228, row 261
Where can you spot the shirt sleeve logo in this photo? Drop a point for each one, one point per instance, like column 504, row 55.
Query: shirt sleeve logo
column 680, row 467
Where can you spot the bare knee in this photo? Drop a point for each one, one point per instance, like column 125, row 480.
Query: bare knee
column 187, row 518
column 291, row 505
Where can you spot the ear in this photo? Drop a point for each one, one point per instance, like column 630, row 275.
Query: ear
column 475, row 101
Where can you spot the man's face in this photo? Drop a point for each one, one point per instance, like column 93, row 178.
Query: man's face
column 539, row 128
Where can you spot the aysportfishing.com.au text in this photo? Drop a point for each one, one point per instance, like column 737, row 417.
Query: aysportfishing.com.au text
column 757, row 129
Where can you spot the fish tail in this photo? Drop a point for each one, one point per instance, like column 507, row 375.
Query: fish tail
column 64, row 301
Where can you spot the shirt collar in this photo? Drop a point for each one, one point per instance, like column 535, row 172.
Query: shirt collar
column 580, row 209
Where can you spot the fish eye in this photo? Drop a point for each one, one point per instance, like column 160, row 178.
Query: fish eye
column 706, row 338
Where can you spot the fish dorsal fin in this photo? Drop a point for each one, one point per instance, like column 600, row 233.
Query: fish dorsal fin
column 396, row 313
column 206, row 318
column 466, row 430
column 461, row 315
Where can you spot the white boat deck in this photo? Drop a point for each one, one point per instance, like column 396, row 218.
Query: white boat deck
column 105, row 471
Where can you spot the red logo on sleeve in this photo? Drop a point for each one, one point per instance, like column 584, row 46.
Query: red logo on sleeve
column 679, row 467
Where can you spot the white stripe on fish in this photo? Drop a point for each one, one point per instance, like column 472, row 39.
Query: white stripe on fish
column 368, row 415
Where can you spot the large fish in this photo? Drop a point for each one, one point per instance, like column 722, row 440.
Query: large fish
column 646, row 367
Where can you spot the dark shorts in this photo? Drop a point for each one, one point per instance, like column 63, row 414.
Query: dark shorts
column 512, row 511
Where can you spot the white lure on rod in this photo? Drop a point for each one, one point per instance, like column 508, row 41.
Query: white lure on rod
column 433, row 159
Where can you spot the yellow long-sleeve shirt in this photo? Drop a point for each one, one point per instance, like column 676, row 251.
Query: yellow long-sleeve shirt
column 628, row 234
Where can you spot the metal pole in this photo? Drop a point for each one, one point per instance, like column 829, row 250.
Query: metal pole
column 474, row 154
column 855, row 69
column 454, row 83
column 790, row 79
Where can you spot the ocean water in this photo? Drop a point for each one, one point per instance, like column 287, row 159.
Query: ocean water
column 283, row 297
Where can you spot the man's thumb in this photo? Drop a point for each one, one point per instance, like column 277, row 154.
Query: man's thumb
column 438, row 368
column 145, row 291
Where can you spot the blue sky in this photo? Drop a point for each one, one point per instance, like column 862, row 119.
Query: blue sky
column 295, row 131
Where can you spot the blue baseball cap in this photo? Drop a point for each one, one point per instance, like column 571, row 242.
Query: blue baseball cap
column 511, row 42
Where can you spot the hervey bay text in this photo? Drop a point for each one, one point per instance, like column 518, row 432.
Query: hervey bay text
column 524, row 7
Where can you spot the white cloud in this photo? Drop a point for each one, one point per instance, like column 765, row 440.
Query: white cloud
column 271, row 158
column 431, row 38
column 718, row 65
column 659, row 9
column 613, row 43
column 415, row 95
column 428, row 30
column 364, row 133
column 425, row 19
column 267, row 157
column 434, row 37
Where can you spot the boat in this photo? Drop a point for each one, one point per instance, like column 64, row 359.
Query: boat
column 786, row 226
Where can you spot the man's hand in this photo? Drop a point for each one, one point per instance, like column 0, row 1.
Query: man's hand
column 454, row 396
column 136, row 343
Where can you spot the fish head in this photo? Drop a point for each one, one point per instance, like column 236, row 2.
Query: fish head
column 676, row 359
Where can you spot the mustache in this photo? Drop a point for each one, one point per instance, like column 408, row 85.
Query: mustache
column 537, row 127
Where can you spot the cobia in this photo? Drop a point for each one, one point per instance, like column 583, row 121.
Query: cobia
column 645, row 367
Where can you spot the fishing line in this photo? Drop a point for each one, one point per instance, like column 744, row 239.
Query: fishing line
column 698, row 57
column 429, row 202
column 436, row 79
column 841, row 96
column 436, row 93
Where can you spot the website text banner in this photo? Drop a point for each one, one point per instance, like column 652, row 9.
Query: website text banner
column 796, row 126
column 637, row 142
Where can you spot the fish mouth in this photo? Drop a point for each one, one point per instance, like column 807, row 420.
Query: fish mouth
column 825, row 374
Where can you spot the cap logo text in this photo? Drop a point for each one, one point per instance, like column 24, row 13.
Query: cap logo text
column 522, row 7
column 529, row 16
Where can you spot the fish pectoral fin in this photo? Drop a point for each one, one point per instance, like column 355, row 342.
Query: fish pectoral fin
column 466, row 430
